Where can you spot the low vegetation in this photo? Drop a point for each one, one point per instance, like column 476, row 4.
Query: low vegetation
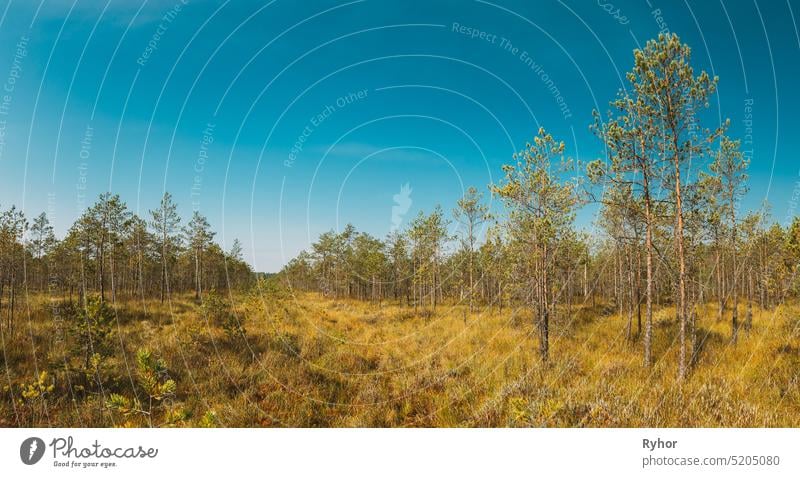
column 311, row 361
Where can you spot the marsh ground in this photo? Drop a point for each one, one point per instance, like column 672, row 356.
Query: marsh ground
column 313, row 361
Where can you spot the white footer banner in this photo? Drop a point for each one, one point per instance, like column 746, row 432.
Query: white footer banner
column 400, row 452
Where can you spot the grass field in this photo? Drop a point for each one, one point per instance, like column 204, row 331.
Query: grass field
column 310, row 361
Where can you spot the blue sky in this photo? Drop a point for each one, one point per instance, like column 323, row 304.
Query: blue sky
column 283, row 119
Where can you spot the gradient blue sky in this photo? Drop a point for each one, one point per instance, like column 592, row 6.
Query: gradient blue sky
column 213, row 112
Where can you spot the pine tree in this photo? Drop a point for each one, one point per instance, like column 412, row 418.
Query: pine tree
column 13, row 226
column 470, row 213
column 199, row 237
column 730, row 167
column 41, row 245
column 165, row 223
column 541, row 209
column 671, row 96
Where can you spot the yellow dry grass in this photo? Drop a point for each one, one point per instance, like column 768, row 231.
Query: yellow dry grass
column 312, row 361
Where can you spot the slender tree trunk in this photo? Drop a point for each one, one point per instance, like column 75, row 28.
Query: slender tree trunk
column 617, row 274
column 735, row 285
column 543, row 308
column 471, row 277
column 12, row 302
column 638, row 291
column 500, row 295
column 586, row 279
column 764, row 279
column 163, row 262
column 2, row 292
column 569, row 293
column 197, row 274
column 648, row 328
column 163, row 280
column 681, row 268
column 101, row 259
column 111, row 277
column 720, row 288
column 748, row 321
column 414, row 279
column 631, row 294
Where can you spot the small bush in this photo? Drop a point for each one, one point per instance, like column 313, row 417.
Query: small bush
column 33, row 399
column 153, row 396
column 220, row 313
column 90, row 329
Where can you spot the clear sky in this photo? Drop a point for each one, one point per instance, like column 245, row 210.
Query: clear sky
column 282, row 119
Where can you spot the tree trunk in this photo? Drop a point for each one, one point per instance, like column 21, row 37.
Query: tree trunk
column 720, row 288
column 101, row 259
column 12, row 303
column 586, row 279
column 196, row 274
column 500, row 295
column 471, row 277
column 648, row 328
column 638, row 291
column 748, row 321
column 631, row 295
column 681, row 268
column 735, row 285
column 544, row 342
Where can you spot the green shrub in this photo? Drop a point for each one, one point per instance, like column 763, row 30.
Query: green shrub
column 153, row 399
column 220, row 313
column 90, row 329
column 93, row 328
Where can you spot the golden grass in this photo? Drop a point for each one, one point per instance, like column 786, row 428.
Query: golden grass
column 310, row 361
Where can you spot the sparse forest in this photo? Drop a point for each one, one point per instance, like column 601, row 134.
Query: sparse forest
column 679, row 308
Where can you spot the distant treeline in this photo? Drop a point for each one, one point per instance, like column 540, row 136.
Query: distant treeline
column 112, row 252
